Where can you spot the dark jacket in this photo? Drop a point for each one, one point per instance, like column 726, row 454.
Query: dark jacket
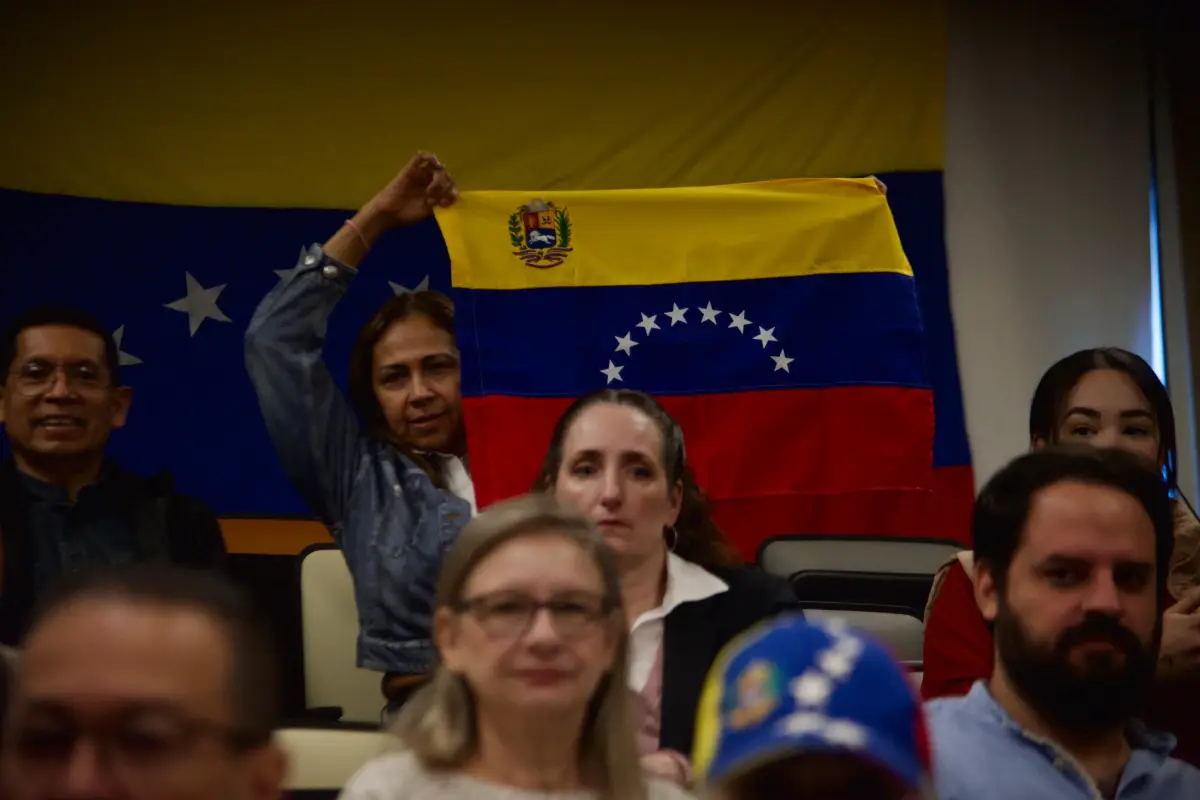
column 693, row 635
column 169, row 527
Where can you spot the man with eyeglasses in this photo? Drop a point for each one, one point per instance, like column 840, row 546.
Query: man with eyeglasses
column 149, row 682
column 63, row 504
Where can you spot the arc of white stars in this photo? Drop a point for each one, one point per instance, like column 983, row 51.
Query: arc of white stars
column 399, row 289
column 123, row 359
column 677, row 314
column 814, row 688
column 625, row 344
column 613, row 373
column 648, row 323
column 834, row 664
column 199, row 304
column 765, row 335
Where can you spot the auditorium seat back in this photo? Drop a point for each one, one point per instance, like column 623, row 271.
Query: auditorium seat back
column 790, row 555
column 330, row 621
column 323, row 760
column 900, row 632
column 874, row 583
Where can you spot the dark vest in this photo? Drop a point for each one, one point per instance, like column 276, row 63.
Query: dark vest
column 166, row 526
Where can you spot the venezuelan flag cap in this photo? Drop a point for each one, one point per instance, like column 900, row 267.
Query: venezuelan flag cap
column 789, row 687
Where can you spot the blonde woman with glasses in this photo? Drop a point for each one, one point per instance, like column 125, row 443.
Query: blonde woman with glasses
column 529, row 698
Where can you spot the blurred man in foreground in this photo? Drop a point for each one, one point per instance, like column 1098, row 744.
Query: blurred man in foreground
column 150, row 683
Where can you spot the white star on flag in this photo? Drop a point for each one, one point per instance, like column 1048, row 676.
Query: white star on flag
column 709, row 314
column 286, row 274
column 648, row 323
column 625, row 343
column 765, row 335
column 613, row 373
column 399, row 289
column 199, row 304
column 123, row 359
column 739, row 321
column 676, row 314
column 813, row 688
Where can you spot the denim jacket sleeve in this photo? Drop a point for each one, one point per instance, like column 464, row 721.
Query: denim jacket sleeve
column 315, row 431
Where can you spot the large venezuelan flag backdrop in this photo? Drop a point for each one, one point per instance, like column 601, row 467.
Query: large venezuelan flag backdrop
column 159, row 164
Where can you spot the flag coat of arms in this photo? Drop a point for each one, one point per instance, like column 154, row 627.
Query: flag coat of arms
column 777, row 322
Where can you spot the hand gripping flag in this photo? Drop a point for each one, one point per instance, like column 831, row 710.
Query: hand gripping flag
column 776, row 321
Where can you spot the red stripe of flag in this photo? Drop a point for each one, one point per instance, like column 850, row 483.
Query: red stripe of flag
column 838, row 460
column 943, row 512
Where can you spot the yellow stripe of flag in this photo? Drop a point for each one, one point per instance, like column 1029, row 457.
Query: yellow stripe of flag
column 776, row 229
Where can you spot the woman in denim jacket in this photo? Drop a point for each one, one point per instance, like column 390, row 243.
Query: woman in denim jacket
column 386, row 468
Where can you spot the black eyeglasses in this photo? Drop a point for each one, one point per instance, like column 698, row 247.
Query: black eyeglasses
column 134, row 751
column 37, row 376
column 510, row 615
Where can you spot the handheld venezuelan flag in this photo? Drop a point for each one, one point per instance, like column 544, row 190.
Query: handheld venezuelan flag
column 777, row 322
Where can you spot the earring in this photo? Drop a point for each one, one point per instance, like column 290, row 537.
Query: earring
column 672, row 539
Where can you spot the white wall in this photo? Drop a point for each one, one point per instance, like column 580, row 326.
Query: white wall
column 1047, row 185
column 1180, row 378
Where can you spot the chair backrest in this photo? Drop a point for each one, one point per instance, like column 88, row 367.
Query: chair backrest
column 830, row 589
column 330, row 621
column 786, row 556
column 325, row 759
column 853, row 571
column 879, row 585
column 902, row 633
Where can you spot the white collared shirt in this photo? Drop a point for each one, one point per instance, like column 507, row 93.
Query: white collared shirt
column 686, row 583
column 457, row 473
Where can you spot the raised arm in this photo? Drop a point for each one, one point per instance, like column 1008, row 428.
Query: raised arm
column 411, row 196
column 315, row 431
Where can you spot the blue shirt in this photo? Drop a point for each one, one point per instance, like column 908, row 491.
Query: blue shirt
column 981, row 753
